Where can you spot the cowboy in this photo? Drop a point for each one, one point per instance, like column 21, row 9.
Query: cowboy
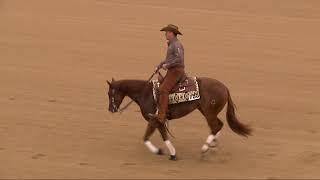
column 174, row 64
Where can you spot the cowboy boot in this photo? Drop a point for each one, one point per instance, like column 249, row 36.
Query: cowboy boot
column 163, row 106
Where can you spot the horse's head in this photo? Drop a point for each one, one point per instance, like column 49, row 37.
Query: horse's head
column 115, row 96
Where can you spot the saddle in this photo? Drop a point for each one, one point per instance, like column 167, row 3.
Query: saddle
column 182, row 84
column 186, row 89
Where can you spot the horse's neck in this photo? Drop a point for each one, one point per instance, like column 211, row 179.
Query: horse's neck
column 134, row 88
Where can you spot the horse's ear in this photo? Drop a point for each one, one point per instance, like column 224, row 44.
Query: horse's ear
column 112, row 80
column 109, row 83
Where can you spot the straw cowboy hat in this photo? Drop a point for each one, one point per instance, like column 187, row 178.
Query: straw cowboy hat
column 172, row 28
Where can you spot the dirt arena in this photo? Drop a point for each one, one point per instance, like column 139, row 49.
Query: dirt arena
column 55, row 57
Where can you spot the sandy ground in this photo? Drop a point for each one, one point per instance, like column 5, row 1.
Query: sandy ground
column 55, row 57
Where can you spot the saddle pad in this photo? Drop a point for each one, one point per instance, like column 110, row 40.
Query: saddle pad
column 184, row 95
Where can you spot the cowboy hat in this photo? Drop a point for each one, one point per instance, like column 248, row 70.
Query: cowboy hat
column 172, row 28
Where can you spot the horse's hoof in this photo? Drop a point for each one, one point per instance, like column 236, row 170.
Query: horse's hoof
column 160, row 152
column 173, row 158
column 204, row 149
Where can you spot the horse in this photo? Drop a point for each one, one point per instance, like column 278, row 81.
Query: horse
column 214, row 96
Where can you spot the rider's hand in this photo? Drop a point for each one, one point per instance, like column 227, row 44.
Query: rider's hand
column 165, row 66
column 157, row 68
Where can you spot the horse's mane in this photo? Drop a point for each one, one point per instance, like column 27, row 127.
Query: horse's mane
column 130, row 85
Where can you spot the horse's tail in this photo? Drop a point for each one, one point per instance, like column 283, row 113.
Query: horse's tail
column 234, row 123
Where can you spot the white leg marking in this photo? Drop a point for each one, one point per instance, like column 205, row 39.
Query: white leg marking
column 151, row 147
column 205, row 148
column 218, row 134
column 209, row 140
column 214, row 142
column 172, row 150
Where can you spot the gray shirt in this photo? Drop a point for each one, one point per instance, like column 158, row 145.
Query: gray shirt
column 175, row 54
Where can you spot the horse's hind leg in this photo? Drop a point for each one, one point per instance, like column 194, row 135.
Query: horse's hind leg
column 217, row 134
column 149, row 131
column 215, row 125
column 168, row 143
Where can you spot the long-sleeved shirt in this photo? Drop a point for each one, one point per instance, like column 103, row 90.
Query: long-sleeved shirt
column 175, row 54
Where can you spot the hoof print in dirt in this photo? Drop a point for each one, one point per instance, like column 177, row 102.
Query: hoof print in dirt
column 38, row 156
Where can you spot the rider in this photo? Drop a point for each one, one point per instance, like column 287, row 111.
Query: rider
column 174, row 64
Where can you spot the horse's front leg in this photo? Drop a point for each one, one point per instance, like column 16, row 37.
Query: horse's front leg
column 149, row 131
column 168, row 143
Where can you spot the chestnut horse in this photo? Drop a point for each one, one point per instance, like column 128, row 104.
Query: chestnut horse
column 214, row 96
